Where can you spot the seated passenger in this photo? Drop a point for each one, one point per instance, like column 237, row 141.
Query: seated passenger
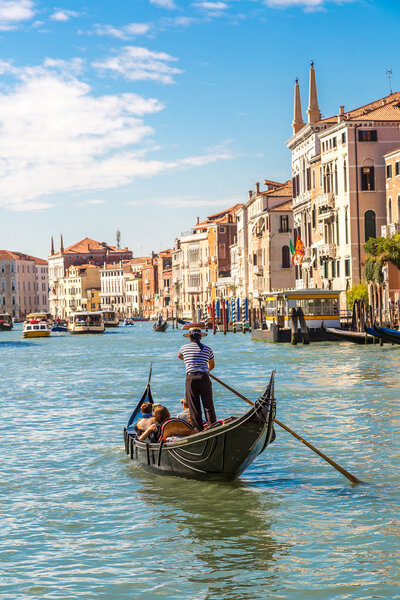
column 146, row 419
column 184, row 415
column 161, row 414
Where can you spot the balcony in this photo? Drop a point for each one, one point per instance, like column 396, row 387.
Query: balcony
column 327, row 250
column 388, row 231
column 194, row 289
column 307, row 253
column 326, row 214
column 326, row 201
column 257, row 270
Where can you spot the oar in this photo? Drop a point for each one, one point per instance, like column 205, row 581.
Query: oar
column 341, row 470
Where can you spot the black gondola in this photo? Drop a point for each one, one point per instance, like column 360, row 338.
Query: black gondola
column 6, row 322
column 160, row 326
column 220, row 453
column 346, row 335
column 392, row 336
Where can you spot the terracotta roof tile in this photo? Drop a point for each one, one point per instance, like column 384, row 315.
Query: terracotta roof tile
column 284, row 206
column 384, row 109
column 8, row 255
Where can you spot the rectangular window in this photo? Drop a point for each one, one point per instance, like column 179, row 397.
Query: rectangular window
column 338, row 268
column 308, row 172
column 284, row 228
column 334, row 142
column 397, row 167
column 388, row 171
column 347, row 267
column 343, row 138
column 326, row 269
column 369, row 135
column 367, row 179
column 333, row 269
column 314, row 217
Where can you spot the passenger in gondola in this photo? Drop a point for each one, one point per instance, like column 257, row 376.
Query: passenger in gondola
column 199, row 361
column 184, row 414
column 161, row 414
column 146, row 418
column 159, row 319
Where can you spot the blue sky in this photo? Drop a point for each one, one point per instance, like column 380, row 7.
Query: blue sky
column 141, row 115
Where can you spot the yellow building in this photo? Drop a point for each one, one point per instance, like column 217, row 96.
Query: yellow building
column 93, row 299
column 78, row 281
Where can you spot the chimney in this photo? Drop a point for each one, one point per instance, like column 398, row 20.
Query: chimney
column 52, row 246
column 341, row 113
column 257, row 187
column 61, row 244
column 197, row 220
column 250, row 194
column 313, row 112
column 298, row 122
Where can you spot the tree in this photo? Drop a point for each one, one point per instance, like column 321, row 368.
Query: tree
column 357, row 291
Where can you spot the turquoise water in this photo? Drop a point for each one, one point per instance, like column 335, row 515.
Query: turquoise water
column 79, row 520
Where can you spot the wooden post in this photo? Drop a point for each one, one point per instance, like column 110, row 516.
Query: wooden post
column 213, row 316
column 295, row 327
column 224, row 323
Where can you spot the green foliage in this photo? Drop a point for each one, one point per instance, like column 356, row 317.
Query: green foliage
column 357, row 291
column 386, row 249
column 378, row 274
column 369, row 270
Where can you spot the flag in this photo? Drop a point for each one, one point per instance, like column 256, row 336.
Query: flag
column 291, row 246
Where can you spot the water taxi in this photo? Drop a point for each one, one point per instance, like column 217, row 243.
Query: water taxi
column 6, row 322
column 37, row 325
column 110, row 318
column 86, row 322
column 318, row 306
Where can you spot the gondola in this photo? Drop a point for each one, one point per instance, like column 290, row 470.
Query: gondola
column 392, row 336
column 219, row 453
column 160, row 326
column 346, row 335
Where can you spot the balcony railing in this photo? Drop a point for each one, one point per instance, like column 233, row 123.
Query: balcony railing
column 326, row 200
column 257, row 270
column 193, row 289
column 390, row 230
column 328, row 250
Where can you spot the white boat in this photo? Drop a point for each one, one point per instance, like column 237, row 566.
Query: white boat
column 37, row 325
column 128, row 321
column 86, row 322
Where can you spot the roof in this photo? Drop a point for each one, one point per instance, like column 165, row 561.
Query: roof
column 220, row 217
column 284, row 190
column 8, row 255
column 394, row 151
column 384, row 109
column 284, row 206
column 88, row 245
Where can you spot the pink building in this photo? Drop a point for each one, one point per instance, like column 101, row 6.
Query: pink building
column 23, row 284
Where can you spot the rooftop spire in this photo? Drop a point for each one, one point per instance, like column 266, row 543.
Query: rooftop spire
column 298, row 122
column 52, row 247
column 61, row 244
column 313, row 112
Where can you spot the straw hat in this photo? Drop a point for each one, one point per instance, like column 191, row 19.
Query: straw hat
column 193, row 327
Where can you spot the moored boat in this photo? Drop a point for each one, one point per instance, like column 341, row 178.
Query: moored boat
column 219, row 453
column 392, row 336
column 36, row 325
column 86, row 322
column 60, row 325
column 6, row 322
column 347, row 335
column 128, row 322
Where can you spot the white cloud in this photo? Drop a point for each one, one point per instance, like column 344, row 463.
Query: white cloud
column 125, row 32
column 169, row 4
column 212, row 8
column 140, row 64
column 63, row 15
column 57, row 137
column 14, row 11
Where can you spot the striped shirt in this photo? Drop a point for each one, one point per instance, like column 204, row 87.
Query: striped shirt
column 194, row 358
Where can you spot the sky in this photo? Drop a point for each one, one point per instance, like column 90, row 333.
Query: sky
column 142, row 115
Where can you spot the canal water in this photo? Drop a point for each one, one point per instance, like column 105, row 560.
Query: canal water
column 79, row 520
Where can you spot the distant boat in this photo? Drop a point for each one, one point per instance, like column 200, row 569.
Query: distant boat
column 86, row 322
column 128, row 321
column 110, row 318
column 60, row 325
column 6, row 322
column 160, row 326
column 36, row 325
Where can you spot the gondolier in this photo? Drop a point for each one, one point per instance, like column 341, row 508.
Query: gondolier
column 199, row 361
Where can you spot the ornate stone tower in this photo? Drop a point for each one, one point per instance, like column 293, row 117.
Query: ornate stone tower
column 298, row 122
column 313, row 112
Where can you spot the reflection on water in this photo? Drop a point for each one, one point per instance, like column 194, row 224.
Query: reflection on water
column 80, row 520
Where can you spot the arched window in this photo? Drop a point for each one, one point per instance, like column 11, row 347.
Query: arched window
column 389, row 211
column 369, row 224
column 285, row 257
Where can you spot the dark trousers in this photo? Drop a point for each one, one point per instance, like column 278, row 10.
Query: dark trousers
column 198, row 385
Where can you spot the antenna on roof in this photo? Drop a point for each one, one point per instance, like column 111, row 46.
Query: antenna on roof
column 118, row 236
column 389, row 76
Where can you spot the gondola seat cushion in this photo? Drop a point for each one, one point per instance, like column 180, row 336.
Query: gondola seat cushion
column 177, row 427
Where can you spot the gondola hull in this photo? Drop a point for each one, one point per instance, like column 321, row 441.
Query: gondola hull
column 220, row 453
column 391, row 336
column 160, row 326
column 346, row 335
